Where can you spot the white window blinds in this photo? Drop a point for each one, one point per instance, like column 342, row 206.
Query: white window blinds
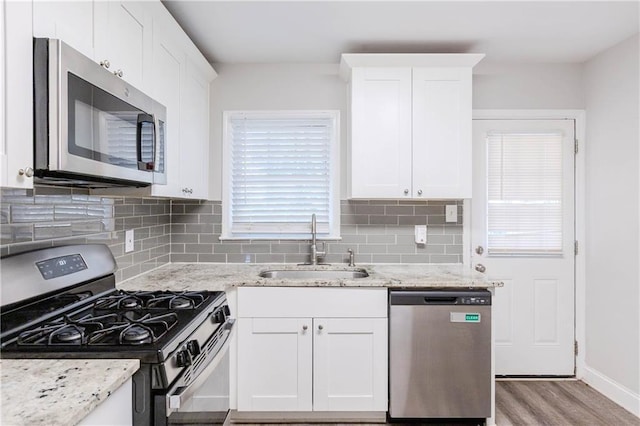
column 281, row 172
column 524, row 211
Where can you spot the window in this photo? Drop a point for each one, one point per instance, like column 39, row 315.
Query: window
column 524, row 193
column 278, row 169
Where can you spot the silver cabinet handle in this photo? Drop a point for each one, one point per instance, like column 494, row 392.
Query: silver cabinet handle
column 479, row 250
column 406, row 192
column 320, row 327
column 119, row 73
column 419, row 191
column 105, row 63
column 304, row 328
column 480, row 267
column 27, row 171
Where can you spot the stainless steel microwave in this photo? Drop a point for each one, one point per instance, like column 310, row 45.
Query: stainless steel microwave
column 91, row 128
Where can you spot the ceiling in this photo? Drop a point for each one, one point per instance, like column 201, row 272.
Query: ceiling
column 319, row 31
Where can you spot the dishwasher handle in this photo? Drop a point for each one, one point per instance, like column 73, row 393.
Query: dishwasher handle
column 440, row 300
column 439, row 297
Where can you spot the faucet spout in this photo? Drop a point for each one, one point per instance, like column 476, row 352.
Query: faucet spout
column 314, row 244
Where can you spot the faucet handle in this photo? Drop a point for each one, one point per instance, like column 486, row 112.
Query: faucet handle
column 324, row 249
column 351, row 257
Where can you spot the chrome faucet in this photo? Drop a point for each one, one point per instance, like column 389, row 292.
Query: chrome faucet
column 315, row 253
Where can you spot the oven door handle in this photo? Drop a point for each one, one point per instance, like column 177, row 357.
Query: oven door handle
column 178, row 394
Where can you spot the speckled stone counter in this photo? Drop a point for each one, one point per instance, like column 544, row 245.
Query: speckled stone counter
column 58, row 392
column 221, row 276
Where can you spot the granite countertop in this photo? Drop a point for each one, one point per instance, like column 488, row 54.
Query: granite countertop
column 55, row 391
column 222, row 276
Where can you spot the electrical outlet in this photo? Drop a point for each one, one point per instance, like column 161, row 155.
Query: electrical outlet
column 451, row 213
column 421, row 234
column 128, row 241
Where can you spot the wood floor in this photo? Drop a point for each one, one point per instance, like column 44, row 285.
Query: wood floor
column 545, row 403
column 557, row 403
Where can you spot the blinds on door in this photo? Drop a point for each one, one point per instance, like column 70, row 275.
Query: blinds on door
column 524, row 193
column 280, row 173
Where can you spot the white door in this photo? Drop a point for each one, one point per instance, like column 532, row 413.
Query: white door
column 523, row 234
column 275, row 364
column 350, row 364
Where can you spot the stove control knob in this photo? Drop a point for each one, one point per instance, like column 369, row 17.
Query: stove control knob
column 218, row 316
column 193, row 347
column 227, row 311
column 183, row 358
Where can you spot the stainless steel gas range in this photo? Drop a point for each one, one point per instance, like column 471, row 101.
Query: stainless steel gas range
column 61, row 302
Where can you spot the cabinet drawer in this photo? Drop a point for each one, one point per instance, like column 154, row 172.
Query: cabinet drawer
column 295, row 302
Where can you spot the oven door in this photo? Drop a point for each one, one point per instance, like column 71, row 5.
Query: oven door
column 205, row 397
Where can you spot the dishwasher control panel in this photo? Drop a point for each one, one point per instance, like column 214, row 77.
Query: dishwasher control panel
column 475, row 300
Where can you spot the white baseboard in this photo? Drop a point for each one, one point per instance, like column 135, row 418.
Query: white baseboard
column 616, row 392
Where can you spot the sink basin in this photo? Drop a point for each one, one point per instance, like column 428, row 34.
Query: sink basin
column 308, row 274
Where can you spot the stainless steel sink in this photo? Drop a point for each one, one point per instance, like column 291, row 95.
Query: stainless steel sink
column 302, row 274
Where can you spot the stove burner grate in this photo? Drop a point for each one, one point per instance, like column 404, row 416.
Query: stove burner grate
column 152, row 300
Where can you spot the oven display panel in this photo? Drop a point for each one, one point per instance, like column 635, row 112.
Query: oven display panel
column 59, row 266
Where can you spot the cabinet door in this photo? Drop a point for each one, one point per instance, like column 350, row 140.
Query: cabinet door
column 69, row 21
column 442, row 132
column 168, row 74
column 16, row 88
column 274, row 364
column 350, row 364
column 123, row 37
column 194, row 133
column 381, row 133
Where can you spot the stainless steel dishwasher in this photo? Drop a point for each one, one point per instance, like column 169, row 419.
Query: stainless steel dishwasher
column 439, row 354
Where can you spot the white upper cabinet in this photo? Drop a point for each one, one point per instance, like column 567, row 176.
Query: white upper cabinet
column 116, row 34
column 441, row 132
column 70, row 21
column 181, row 78
column 123, row 39
column 168, row 74
column 143, row 44
column 410, row 125
column 381, row 132
column 16, row 90
column 194, row 133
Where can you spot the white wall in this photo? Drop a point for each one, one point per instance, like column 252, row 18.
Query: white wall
column 271, row 87
column 612, row 221
column 527, row 86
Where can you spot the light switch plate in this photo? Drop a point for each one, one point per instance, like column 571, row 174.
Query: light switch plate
column 421, row 234
column 451, row 213
column 128, row 241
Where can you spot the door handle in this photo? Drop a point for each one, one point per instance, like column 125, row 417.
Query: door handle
column 480, row 267
column 479, row 250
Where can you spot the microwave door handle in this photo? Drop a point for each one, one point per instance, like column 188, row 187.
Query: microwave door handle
column 143, row 165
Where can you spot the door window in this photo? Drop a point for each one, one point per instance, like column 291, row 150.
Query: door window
column 524, row 193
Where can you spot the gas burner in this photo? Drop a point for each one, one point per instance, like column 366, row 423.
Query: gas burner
column 135, row 334
column 129, row 303
column 119, row 301
column 69, row 334
column 175, row 299
column 180, row 302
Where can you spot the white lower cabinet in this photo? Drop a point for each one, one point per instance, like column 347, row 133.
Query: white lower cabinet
column 116, row 410
column 350, row 364
column 335, row 359
column 275, row 364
